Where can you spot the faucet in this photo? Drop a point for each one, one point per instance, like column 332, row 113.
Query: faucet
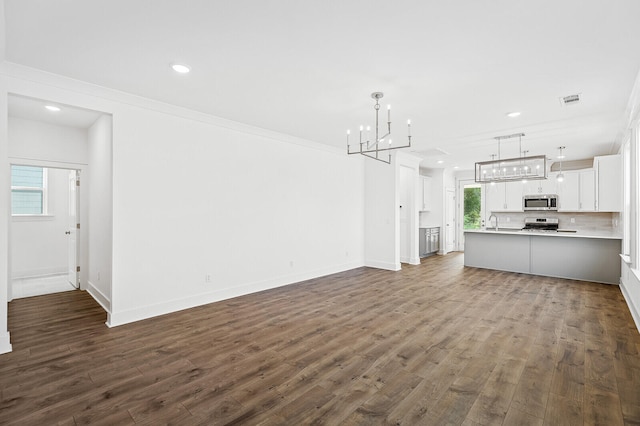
column 496, row 217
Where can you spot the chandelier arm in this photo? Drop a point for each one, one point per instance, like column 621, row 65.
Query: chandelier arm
column 374, row 148
column 391, row 148
column 376, row 158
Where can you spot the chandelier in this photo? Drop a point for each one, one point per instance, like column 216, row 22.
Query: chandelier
column 521, row 168
column 380, row 144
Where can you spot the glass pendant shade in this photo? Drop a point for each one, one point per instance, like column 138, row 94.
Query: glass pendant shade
column 512, row 169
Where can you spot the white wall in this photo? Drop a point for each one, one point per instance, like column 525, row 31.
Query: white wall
column 34, row 140
column 192, row 199
column 39, row 244
column 5, row 202
column 100, row 204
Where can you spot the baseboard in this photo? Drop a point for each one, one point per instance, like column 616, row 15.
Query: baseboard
column 99, row 296
column 115, row 319
column 38, row 273
column 5, row 343
column 635, row 310
column 383, row 265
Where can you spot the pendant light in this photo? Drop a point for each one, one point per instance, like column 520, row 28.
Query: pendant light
column 560, row 176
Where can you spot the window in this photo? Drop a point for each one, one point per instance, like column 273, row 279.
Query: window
column 28, row 190
column 472, row 206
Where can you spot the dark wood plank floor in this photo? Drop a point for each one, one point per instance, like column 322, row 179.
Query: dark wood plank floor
column 433, row 344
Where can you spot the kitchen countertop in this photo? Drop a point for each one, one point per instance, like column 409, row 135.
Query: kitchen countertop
column 580, row 233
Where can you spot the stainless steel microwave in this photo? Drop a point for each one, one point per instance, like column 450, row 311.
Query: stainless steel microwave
column 539, row 202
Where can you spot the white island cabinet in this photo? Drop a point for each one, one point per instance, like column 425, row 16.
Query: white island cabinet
column 580, row 257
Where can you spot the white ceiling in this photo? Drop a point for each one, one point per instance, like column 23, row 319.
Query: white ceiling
column 307, row 68
column 35, row 109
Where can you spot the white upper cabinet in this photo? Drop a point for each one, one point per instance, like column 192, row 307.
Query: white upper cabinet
column 427, row 194
column 504, row 196
column 577, row 192
column 541, row 186
column 588, row 190
column 609, row 183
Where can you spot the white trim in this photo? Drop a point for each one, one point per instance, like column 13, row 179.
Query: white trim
column 21, row 80
column 626, row 286
column 32, row 217
column 99, row 296
column 115, row 319
column 389, row 266
column 39, row 273
column 5, row 343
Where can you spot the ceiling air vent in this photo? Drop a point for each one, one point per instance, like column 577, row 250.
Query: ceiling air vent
column 570, row 100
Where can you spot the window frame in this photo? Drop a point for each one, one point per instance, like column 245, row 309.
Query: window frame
column 44, row 190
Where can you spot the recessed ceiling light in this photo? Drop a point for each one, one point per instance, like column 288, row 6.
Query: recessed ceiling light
column 513, row 114
column 560, row 157
column 52, row 108
column 440, row 161
column 181, row 68
column 456, row 167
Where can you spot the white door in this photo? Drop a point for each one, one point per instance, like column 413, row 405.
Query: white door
column 72, row 231
column 450, row 221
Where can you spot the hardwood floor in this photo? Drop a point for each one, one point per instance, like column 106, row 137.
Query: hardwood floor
column 434, row 344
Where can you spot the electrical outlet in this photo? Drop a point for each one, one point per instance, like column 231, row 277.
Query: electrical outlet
column 207, row 278
column 573, row 220
column 508, row 219
column 291, row 263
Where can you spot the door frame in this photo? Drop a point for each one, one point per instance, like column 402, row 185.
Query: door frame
column 446, row 215
column 460, row 209
column 81, row 252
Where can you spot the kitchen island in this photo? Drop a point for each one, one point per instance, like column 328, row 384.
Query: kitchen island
column 581, row 255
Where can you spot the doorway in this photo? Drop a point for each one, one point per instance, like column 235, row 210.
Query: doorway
column 450, row 220
column 472, row 208
column 44, row 244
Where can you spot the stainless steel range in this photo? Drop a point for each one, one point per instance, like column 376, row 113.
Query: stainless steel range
column 541, row 224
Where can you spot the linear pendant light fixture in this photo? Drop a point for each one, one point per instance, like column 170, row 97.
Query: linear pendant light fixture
column 380, row 144
column 522, row 168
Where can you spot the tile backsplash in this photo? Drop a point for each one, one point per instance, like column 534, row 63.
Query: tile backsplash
column 579, row 221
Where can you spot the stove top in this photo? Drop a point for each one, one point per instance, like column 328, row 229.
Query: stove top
column 541, row 224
